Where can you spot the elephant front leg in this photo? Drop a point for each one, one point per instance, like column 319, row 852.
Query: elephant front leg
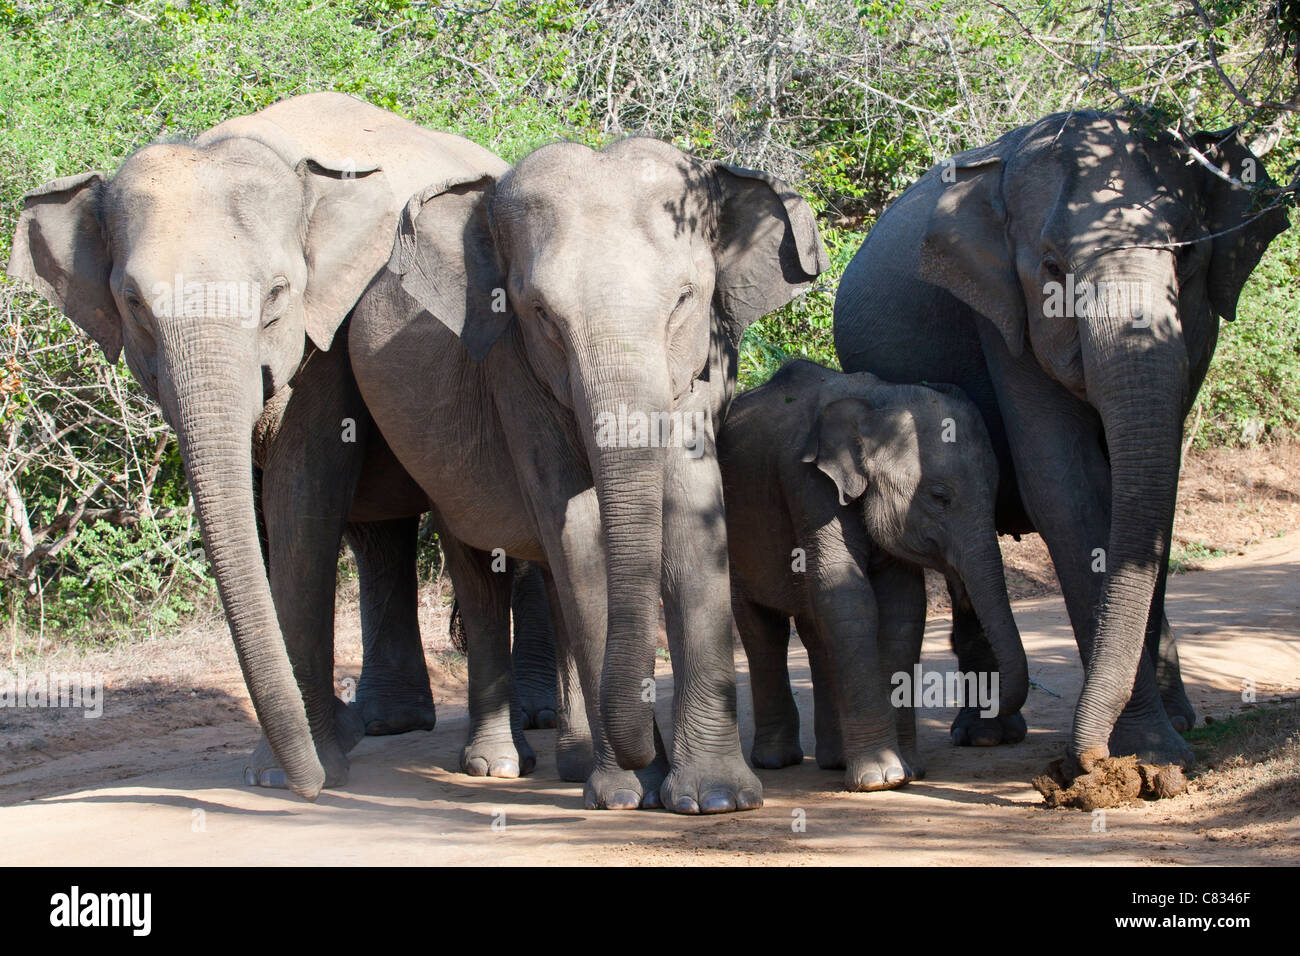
column 308, row 483
column 1065, row 483
column 901, row 607
column 975, row 655
column 844, row 631
column 708, row 773
column 576, row 589
column 393, row 695
column 496, row 745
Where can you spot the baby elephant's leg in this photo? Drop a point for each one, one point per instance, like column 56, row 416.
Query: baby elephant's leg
column 845, row 616
column 766, row 636
column 900, row 600
column 826, row 705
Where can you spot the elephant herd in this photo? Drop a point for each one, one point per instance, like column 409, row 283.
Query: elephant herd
column 351, row 321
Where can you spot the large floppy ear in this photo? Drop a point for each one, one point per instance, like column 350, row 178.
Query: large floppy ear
column 768, row 246
column 836, row 445
column 59, row 248
column 1232, row 210
column 447, row 257
column 351, row 217
column 966, row 249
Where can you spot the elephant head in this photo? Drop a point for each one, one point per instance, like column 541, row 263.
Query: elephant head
column 1108, row 255
column 212, row 266
column 918, row 463
column 626, row 270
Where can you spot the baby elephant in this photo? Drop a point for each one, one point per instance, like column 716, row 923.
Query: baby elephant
column 839, row 490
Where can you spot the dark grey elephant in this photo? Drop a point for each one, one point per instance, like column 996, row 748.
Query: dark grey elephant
column 580, row 317
column 225, row 269
column 1070, row 278
column 840, row 490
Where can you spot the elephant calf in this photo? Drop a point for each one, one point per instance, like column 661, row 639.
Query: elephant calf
column 839, row 490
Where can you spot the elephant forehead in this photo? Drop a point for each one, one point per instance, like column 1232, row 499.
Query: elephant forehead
column 174, row 192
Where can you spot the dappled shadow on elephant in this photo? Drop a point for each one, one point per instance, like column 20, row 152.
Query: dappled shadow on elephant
column 1070, row 278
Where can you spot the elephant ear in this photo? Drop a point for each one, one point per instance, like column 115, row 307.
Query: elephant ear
column 59, row 248
column 350, row 223
column 965, row 249
column 836, row 446
column 447, row 258
column 768, row 246
column 1231, row 210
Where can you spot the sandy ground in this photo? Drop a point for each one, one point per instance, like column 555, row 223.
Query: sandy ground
column 156, row 779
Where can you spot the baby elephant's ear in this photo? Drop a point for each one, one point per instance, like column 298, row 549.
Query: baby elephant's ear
column 447, row 258
column 768, row 246
column 836, row 446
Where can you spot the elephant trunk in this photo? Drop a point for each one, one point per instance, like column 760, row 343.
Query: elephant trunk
column 212, row 400
column 624, row 396
column 1135, row 364
column 982, row 576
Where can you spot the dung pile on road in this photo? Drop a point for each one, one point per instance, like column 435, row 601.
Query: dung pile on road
column 1112, row 782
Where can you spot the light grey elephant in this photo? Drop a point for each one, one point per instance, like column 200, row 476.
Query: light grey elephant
column 840, row 490
column 549, row 354
column 1070, row 278
column 225, row 268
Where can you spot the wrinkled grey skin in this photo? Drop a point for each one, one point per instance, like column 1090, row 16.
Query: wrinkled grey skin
column 532, row 646
column 580, row 284
column 297, row 206
column 1085, row 413
column 840, row 490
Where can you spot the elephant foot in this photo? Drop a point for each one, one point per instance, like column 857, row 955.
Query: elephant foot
column 775, row 750
column 540, row 710
column 349, row 727
column 830, row 755
column 969, row 729
column 262, row 770
column 1151, row 739
column 880, row 769
column 497, row 757
column 615, row 789
column 712, row 785
column 574, row 758
column 384, row 710
column 1182, row 715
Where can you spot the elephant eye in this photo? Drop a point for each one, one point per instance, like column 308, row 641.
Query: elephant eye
column 1053, row 268
column 940, row 495
column 274, row 302
column 133, row 300
column 684, row 297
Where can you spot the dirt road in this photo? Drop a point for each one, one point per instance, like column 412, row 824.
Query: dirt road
column 162, row 785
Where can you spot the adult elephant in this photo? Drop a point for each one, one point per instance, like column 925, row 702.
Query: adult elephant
column 224, row 268
column 1070, row 278
column 582, row 313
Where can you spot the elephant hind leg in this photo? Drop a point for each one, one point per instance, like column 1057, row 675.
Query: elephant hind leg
column 1169, row 677
column 393, row 695
column 496, row 745
column 533, row 648
column 766, row 636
